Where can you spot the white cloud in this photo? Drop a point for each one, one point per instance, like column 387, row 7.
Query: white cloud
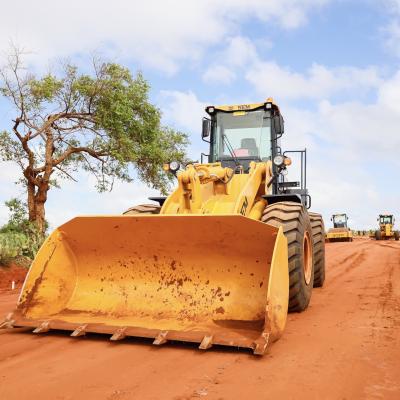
column 159, row 34
column 219, row 74
column 238, row 52
column 392, row 5
column 289, row 14
column 240, row 58
column 362, row 130
column 319, row 82
column 389, row 93
column 182, row 109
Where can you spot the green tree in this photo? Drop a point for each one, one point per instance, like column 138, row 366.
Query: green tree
column 101, row 122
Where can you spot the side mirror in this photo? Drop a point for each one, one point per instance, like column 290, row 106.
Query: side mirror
column 279, row 124
column 206, row 128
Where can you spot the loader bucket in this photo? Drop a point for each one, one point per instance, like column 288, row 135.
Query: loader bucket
column 211, row 279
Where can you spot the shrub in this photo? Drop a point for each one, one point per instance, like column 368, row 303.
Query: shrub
column 12, row 245
column 19, row 237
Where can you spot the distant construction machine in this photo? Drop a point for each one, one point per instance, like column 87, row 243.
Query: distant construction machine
column 220, row 260
column 385, row 231
column 340, row 231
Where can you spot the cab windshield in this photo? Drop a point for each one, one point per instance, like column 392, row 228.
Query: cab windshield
column 242, row 134
column 386, row 219
column 340, row 220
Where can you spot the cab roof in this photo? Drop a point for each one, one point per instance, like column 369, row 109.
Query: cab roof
column 268, row 104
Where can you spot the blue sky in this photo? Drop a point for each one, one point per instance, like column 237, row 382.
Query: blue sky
column 332, row 66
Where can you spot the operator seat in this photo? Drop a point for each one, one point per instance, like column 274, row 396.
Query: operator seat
column 251, row 145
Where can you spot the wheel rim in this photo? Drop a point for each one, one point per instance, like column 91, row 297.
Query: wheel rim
column 307, row 257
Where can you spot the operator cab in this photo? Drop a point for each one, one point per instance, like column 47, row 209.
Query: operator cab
column 339, row 220
column 386, row 219
column 241, row 134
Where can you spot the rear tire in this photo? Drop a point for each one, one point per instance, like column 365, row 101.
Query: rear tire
column 143, row 209
column 318, row 230
column 378, row 235
column 296, row 225
column 396, row 235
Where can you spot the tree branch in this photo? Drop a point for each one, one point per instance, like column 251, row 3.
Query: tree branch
column 66, row 173
column 73, row 150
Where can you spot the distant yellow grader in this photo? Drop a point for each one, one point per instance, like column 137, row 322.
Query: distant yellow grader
column 385, row 231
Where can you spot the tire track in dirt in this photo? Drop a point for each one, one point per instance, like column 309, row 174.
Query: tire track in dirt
column 380, row 296
column 350, row 261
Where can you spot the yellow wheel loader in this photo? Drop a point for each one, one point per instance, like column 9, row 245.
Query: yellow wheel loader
column 385, row 231
column 219, row 261
column 340, row 231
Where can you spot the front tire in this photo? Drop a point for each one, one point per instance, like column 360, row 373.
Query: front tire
column 318, row 230
column 296, row 225
column 396, row 235
column 378, row 235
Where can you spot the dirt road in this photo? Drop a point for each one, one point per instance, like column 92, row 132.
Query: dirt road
column 345, row 346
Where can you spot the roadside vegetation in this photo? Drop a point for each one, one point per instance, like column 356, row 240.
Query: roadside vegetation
column 20, row 238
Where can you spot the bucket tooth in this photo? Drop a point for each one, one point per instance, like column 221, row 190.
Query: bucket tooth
column 79, row 331
column 206, row 343
column 8, row 322
column 119, row 334
column 161, row 338
column 261, row 344
column 43, row 327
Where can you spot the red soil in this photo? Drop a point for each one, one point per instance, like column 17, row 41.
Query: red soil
column 11, row 273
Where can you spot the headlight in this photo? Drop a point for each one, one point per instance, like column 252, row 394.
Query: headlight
column 174, row 166
column 287, row 161
column 279, row 160
column 210, row 110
